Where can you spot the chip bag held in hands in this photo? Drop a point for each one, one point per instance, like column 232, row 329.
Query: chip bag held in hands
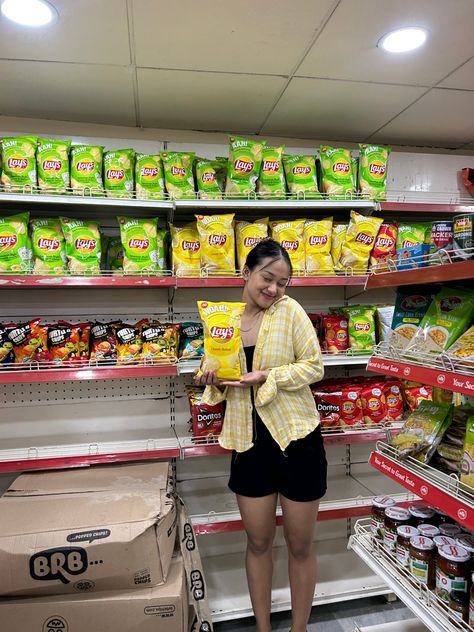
column 290, row 236
column 216, row 236
column 336, row 171
column 118, row 173
column 83, row 245
column 15, row 250
column 360, row 239
column 301, row 176
column 247, row 236
column 179, row 179
column 19, row 163
column 245, row 159
column 271, row 181
column 86, row 169
column 49, row 246
column 373, row 164
column 149, row 177
column 221, row 338
column 185, row 249
column 206, row 179
column 317, row 244
column 139, row 241
column 52, row 158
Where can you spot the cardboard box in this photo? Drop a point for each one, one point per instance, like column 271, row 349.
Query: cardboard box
column 159, row 609
column 102, row 528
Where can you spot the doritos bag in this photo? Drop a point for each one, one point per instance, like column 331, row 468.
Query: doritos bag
column 206, row 420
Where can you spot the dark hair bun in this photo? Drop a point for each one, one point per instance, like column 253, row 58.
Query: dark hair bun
column 265, row 249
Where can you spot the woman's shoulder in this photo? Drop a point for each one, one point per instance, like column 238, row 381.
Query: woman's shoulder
column 289, row 305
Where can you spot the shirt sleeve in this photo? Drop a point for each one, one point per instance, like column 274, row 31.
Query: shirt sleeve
column 213, row 395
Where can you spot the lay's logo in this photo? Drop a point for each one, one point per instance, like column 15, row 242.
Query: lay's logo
column 52, row 165
column 8, row 242
column 250, row 242
column 149, row 172
column 243, row 165
column 20, row 164
column 217, row 240
column 221, row 333
column 290, row 245
column 272, row 166
column 139, row 244
column 365, row 327
column 341, row 167
column 365, row 239
column 115, row 174
column 384, row 242
column 208, row 176
column 85, row 165
column 48, row 244
column 193, row 246
column 301, row 170
column 377, row 169
column 82, row 243
column 318, row 240
column 178, row 172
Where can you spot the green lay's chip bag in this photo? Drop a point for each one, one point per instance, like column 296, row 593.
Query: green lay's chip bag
column 162, row 244
column 115, row 254
column 52, row 158
column 271, row 181
column 83, row 245
column 149, row 177
column 301, row 176
column 118, row 173
column 336, row 171
column 245, row 159
column 139, row 241
column 19, row 163
column 206, row 179
column 86, row 169
column 49, row 247
column 361, row 328
column 373, row 163
column 179, row 179
column 15, row 246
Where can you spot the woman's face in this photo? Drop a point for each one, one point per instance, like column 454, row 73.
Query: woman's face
column 267, row 282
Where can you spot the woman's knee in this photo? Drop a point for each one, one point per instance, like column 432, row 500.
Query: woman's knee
column 300, row 549
column 259, row 545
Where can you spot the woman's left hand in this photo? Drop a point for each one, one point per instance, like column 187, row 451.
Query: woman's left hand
column 249, row 379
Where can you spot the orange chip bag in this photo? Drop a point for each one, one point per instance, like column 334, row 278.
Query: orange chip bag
column 160, row 341
column 216, row 234
column 64, row 343
column 221, row 338
column 129, row 343
column 290, row 235
column 186, row 249
column 317, row 243
column 360, row 240
column 30, row 341
column 248, row 235
column 385, row 247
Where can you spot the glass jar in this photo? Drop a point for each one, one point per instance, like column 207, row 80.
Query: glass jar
column 404, row 535
column 428, row 530
column 441, row 518
column 450, row 529
column 421, row 514
column 422, row 560
column 379, row 505
column 466, row 540
column 471, row 603
column 453, row 570
column 394, row 517
column 459, row 604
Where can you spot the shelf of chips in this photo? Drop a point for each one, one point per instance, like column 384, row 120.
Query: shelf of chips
column 289, row 202
column 104, row 280
column 33, row 197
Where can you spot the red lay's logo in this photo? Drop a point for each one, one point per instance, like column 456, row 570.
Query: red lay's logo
column 190, row 245
column 149, row 172
column 84, row 243
column 52, row 165
column 178, row 172
column 362, row 327
column 243, row 165
column 301, row 170
column 383, row 241
column 208, row 176
column 290, row 245
column 85, row 165
column 377, row 169
column 19, row 164
column 115, row 174
column 374, row 404
column 48, row 244
column 341, row 167
column 271, row 166
column 318, row 240
column 7, row 242
column 365, row 239
column 221, row 333
column 217, row 240
column 139, row 243
column 250, row 242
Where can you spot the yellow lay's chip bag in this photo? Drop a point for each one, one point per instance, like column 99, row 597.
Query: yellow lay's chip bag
column 216, row 235
column 221, row 338
column 247, row 236
column 290, row 235
column 186, row 250
column 359, row 242
column 317, row 243
column 338, row 237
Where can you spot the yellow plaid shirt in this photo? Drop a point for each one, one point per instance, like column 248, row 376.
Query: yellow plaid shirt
column 287, row 344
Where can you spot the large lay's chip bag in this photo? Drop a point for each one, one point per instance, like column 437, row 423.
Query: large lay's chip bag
column 49, row 248
column 384, row 254
column 86, row 169
column 83, row 245
column 149, row 177
column 301, row 176
column 179, row 179
column 360, row 239
column 361, row 328
column 52, row 158
column 373, row 164
column 139, row 241
column 245, row 159
column 317, row 243
column 216, row 235
column 221, row 338
column 206, row 179
column 186, row 250
column 338, row 236
column 118, row 173
column 271, row 181
column 336, row 171
column 290, row 235
column 15, row 250
column 19, row 163
column 247, row 236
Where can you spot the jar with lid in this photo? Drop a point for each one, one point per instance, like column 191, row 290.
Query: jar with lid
column 453, row 570
column 467, row 542
column 459, row 604
column 428, row 530
column 441, row 518
column 450, row 529
column 404, row 535
column 421, row 514
column 422, row 560
column 471, row 603
column 394, row 517
column 441, row 540
column 379, row 505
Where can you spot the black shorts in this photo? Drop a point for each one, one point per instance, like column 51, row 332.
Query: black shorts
column 298, row 473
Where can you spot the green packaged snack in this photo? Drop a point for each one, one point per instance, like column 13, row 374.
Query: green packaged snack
column 52, row 158
column 413, row 234
column 245, row 159
column 355, row 173
column 83, row 245
column 271, row 181
column 206, row 179
column 221, row 173
column 301, row 176
column 49, row 246
column 411, row 304
column 15, row 246
column 104, row 241
column 119, row 168
column 361, row 327
column 86, row 169
column 179, row 179
column 149, row 177
column 162, row 242
column 373, row 163
column 336, row 171
column 139, row 241
column 191, row 342
column 19, row 163
column 115, row 254
column 467, row 463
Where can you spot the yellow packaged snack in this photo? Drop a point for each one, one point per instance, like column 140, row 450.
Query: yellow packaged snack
column 216, row 234
column 221, row 338
column 248, row 235
column 317, row 244
column 359, row 242
column 186, row 250
column 338, row 236
column 290, row 235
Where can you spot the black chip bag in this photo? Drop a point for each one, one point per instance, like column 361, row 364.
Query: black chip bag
column 6, row 348
column 103, row 343
column 129, row 343
column 191, row 343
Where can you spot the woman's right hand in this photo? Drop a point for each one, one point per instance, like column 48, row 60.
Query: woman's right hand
column 207, row 378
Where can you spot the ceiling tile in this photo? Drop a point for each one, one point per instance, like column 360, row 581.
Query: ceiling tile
column 67, row 92
column 318, row 108
column 248, row 36
column 87, row 31
column 347, row 48
column 463, row 78
column 205, row 101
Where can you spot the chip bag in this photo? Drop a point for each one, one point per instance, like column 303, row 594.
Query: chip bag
column 162, row 244
column 149, row 177
column 384, row 254
column 49, row 247
column 361, row 328
column 206, row 420
column 301, row 176
column 179, row 179
column 30, row 342
column 317, row 244
column 83, row 245
column 338, row 236
column 186, row 250
column 160, row 342
column 412, row 245
column 336, row 171
column 6, row 348
column 290, row 235
column 415, row 393
column 245, row 159
column 393, row 397
column 374, row 404
column 139, row 241
column 103, row 343
column 351, row 415
column 64, row 343
column 216, row 236
column 206, row 179
column 467, row 463
column 118, row 173
column 247, row 236
column 52, row 159
column 115, row 254
column 373, row 163
column 359, row 241
column 271, row 182
column 19, row 163
column 86, row 169
column 221, row 338
column 84, row 342
column 328, row 405
column 129, row 343
column 335, row 333
column 191, row 343
column 15, row 247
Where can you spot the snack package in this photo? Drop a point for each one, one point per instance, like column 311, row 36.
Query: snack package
column 383, row 322
column 118, row 173
column 139, row 242
column 415, row 393
column 83, row 245
column 221, row 338
column 328, row 405
column 336, row 171
column 149, row 177
column 6, row 348
column 467, row 463
column 247, row 236
column 355, row 172
column 30, row 342
column 84, row 342
column 162, row 245
column 461, row 352
column 103, row 343
column 463, row 236
column 206, row 420
column 271, row 182
column 52, row 159
column 179, row 179
column 359, row 241
column 290, row 235
column 206, row 179
column 338, row 237
column 19, row 163
column 128, row 343
column 442, row 237
column 361, row 328
column 384, row 254
column 245, row 159
column 15, row 247
column 301, row 176
column 374, row 404
column 191, row 342
column 115, row 254
column 411, row 304
column 317, row 244
column 373, row 163
column 185, row 250
column 86, row 169
column 160, row 342
column 392, row 390
column 221, row 172
column 413, row 245
column 216, row 236
column 49, row 246
column 335, row 333
column 64, row 343
column 352, row 416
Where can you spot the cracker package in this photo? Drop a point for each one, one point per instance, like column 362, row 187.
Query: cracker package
column 191, row 343
column 139, row 241
column 245, row 159
column 247, row 236
column 336, row 171
column 338, row 236
column 467, row 463
column 216, row 236
column 83, row 245
column 373, row 163
column 19, row 163
column 179, row 179
column 411, row 304
column 149, row 177
column 359, row 241
column 301, row 176
column 119, row 166
column 86, row 169
column 413, row 244
column 15, row 246
column 271, row 181
column 317, row 244
column 221, row 338
column 49, row 246
column 361, row 328
column 206, row 179
column 384, row 254
column 461, row 352
column 290, row 235
column 185, row 250
column 52, row 159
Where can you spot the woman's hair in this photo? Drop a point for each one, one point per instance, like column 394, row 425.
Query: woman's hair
column 267, row 248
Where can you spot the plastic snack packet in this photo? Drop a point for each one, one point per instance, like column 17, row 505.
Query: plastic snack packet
column 317, row 244
column 30, row 341
column 206, row 179
column 179, row 179
column 118, row 173
column 139, row 241
column 336, row 171
column 83, row 245
column 335, row 333
column 290, row 235
column 64, row 343
column 191, row 343
column 361, row 327
column 160, row 341
column 129, row 343
column 385, row 250
column 338, row 236
column 49, row 246
column 411, row 304
column 52, row 158
column 186, row 250
column 19, row 163
column 216, row 236
column 245, row 159
column 301, row 176
column 103, row 343
column 206, row 420
column 149, row 177
column 6, row 348
column 15, row 247
column 247, row 236
column 271, row 182
column 359, row 242
column 412, row 244
column 86, row 169
column 373, row 163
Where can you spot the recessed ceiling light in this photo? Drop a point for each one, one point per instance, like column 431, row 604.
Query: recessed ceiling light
column 403, row 40
column 29, row 12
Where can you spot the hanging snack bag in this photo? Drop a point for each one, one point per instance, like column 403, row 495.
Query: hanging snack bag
column 352, row 416
column 191, row 342
column 467, row 463
column 359, row 242
column 6, row 348
column 301, row 176
column 30, row 342
column 335, row 333
column 463, row 236
column 19, row 163
column 414, row 393
column 15, row 250
column 290, row 235
column 149, row 177
column 247, row 236
column 49, row 246
column 86, row 169
column 185, row 250
column 103, row 343
column 245, row 159
column 52, row 159
column 373, row 163
column 317, row 244
column 118, row 173
column 221, row 338
column 216, row 236
column 206, row 420
column 442, row 236
column 271, row 182
column 115, row 254
column 393, row 397
column 328, row 404
column 411, row 304
column 461, row 352
column 179, row 179
column 83, row 245
column 160, row 342
column 64, row 343
column 338, row 236
column 139, row 242
column 129, row 343
column 206, row 179
column 336, row 171
column 361, row 328
column 374, row 404
column 384, row 254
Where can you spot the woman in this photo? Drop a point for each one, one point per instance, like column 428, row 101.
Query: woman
column 272, row 426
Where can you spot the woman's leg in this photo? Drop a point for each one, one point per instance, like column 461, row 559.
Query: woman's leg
column 299, row 522
column 258, row 515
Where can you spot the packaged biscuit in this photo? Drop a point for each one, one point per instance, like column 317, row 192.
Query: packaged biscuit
column 413, row 244
column 336, row 171
column 119, row 167
column 463, row 236
column 52, row 159
column 206, row 179
column 338, row 237
column 245, row 159
column 374, row 404
column 335, row 333
column 317, row 244
column 139, row 242
column 290, row 235
column 115, row 254
column 206, row 420
column 373, row 163
column 191, row 341
column 384, row 254
column 185, row 250
column 128, row 343
column 30, row 342
column 15, row 247
column 221, row 338
column 160, row 342
column 86, row 169
column 49, row 246
column 359, row 242
column 441, row 240
column 461, row 352
column 247, row 236
column 103, row 343
column 19, row 163
column 361, row 327
column 64, row 343
column 271, row 181
column 411, row 304
column 149, row 177
column 179, row 179
column 216, row 236
column 301, row 176
column 83, row 245
column 467, row 463
column 6, row 348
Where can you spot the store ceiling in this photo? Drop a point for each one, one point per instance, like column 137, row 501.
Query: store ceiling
column 305, row 68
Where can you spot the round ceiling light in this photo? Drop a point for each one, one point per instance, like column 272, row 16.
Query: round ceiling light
column 29, row 12
column 403, row 40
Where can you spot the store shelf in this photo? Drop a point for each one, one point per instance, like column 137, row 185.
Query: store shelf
column 31, row 200
column 102, row 281
column 296, row 281
column 356, row 202
column 403, row 625
column 456, row 271
column 403, row 205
